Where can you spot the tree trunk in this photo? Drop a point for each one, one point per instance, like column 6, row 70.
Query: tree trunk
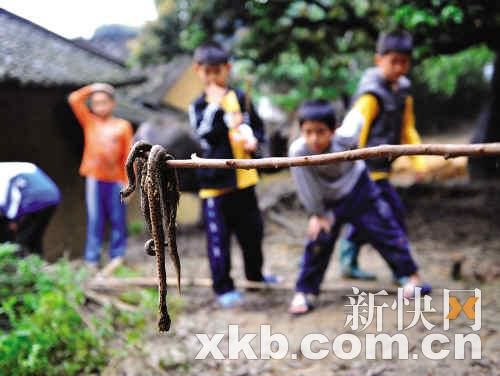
column 488, row 130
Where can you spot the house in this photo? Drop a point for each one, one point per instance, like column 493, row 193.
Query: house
column 172, row 85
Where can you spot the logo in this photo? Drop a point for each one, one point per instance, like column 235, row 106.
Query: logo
column 465, row 303
column 365, row 312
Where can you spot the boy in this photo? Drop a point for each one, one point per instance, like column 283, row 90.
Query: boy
column 336, row 194
column 384, row 110
column 107, row 142
column 28, row 200
column 227, row 126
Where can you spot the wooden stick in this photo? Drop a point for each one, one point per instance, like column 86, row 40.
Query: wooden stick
column 383, row 151
column 111, row 284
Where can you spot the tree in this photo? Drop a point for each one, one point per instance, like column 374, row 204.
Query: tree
column 303, row 48
column 444, row 27
column 318, row 48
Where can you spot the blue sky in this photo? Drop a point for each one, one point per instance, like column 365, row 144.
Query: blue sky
column 79, row 18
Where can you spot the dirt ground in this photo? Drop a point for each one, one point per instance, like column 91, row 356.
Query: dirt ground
column 448, row 218
column 446, row 221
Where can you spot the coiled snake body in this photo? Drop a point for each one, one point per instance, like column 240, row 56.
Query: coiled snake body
column 159, row 196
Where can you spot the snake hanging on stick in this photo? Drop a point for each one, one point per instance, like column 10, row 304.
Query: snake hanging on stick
column 159, row 196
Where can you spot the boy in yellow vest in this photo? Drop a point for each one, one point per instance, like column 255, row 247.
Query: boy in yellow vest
column 383, row 110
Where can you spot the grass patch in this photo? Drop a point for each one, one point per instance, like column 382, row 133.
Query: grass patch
column 41, row 327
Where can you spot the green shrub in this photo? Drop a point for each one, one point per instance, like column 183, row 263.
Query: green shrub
column 41, row 327
column 41, row 331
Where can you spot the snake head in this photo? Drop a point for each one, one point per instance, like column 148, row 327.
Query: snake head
column 138, row 152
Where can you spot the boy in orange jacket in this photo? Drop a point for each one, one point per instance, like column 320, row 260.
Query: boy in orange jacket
column 107, row 142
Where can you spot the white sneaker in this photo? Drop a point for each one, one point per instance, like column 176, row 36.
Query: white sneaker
column 230, row 299
column 410, row 287
column 301, row 304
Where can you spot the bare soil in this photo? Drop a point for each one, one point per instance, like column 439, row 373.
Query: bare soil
column 447, row 222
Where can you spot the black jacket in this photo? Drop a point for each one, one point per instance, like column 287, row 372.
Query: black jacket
column 207, row 121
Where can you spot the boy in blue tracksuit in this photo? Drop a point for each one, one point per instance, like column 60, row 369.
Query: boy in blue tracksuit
column 227, row 126
column 341, row 193
column 28, row 200
column 383, row 111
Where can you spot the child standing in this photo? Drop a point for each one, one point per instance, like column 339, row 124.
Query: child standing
column 227, row 126
column 107, row 142
column 341, row 193
column 384, row 112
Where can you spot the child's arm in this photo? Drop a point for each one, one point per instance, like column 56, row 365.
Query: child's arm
column 356, row 125
column 409, row 135
column 78, row 102
column 310, row 196
column 255, row 133
column 308, row 190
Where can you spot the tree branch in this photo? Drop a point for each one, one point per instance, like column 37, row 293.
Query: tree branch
column 383, row 151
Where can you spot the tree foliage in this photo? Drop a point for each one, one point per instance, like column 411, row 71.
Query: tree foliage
column 449, row 26
column 318, row 48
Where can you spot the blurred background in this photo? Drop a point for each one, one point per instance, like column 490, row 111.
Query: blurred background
column 283, row 52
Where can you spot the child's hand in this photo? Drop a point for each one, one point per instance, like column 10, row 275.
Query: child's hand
column 420, row 177
column 243, row 134
column 249, row 141
column 317, row 224
column 250, row 145
column 215, row 93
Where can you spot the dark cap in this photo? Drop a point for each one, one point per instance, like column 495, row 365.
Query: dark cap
column 317, row 110
column 395, row 41
column 211, row 53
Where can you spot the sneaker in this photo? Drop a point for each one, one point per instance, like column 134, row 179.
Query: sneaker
column 272, row 279
column 401, row 281
column 348, row 257
column 356, row 273
column 230, row 299
column 410, row 287
column 301, row 304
